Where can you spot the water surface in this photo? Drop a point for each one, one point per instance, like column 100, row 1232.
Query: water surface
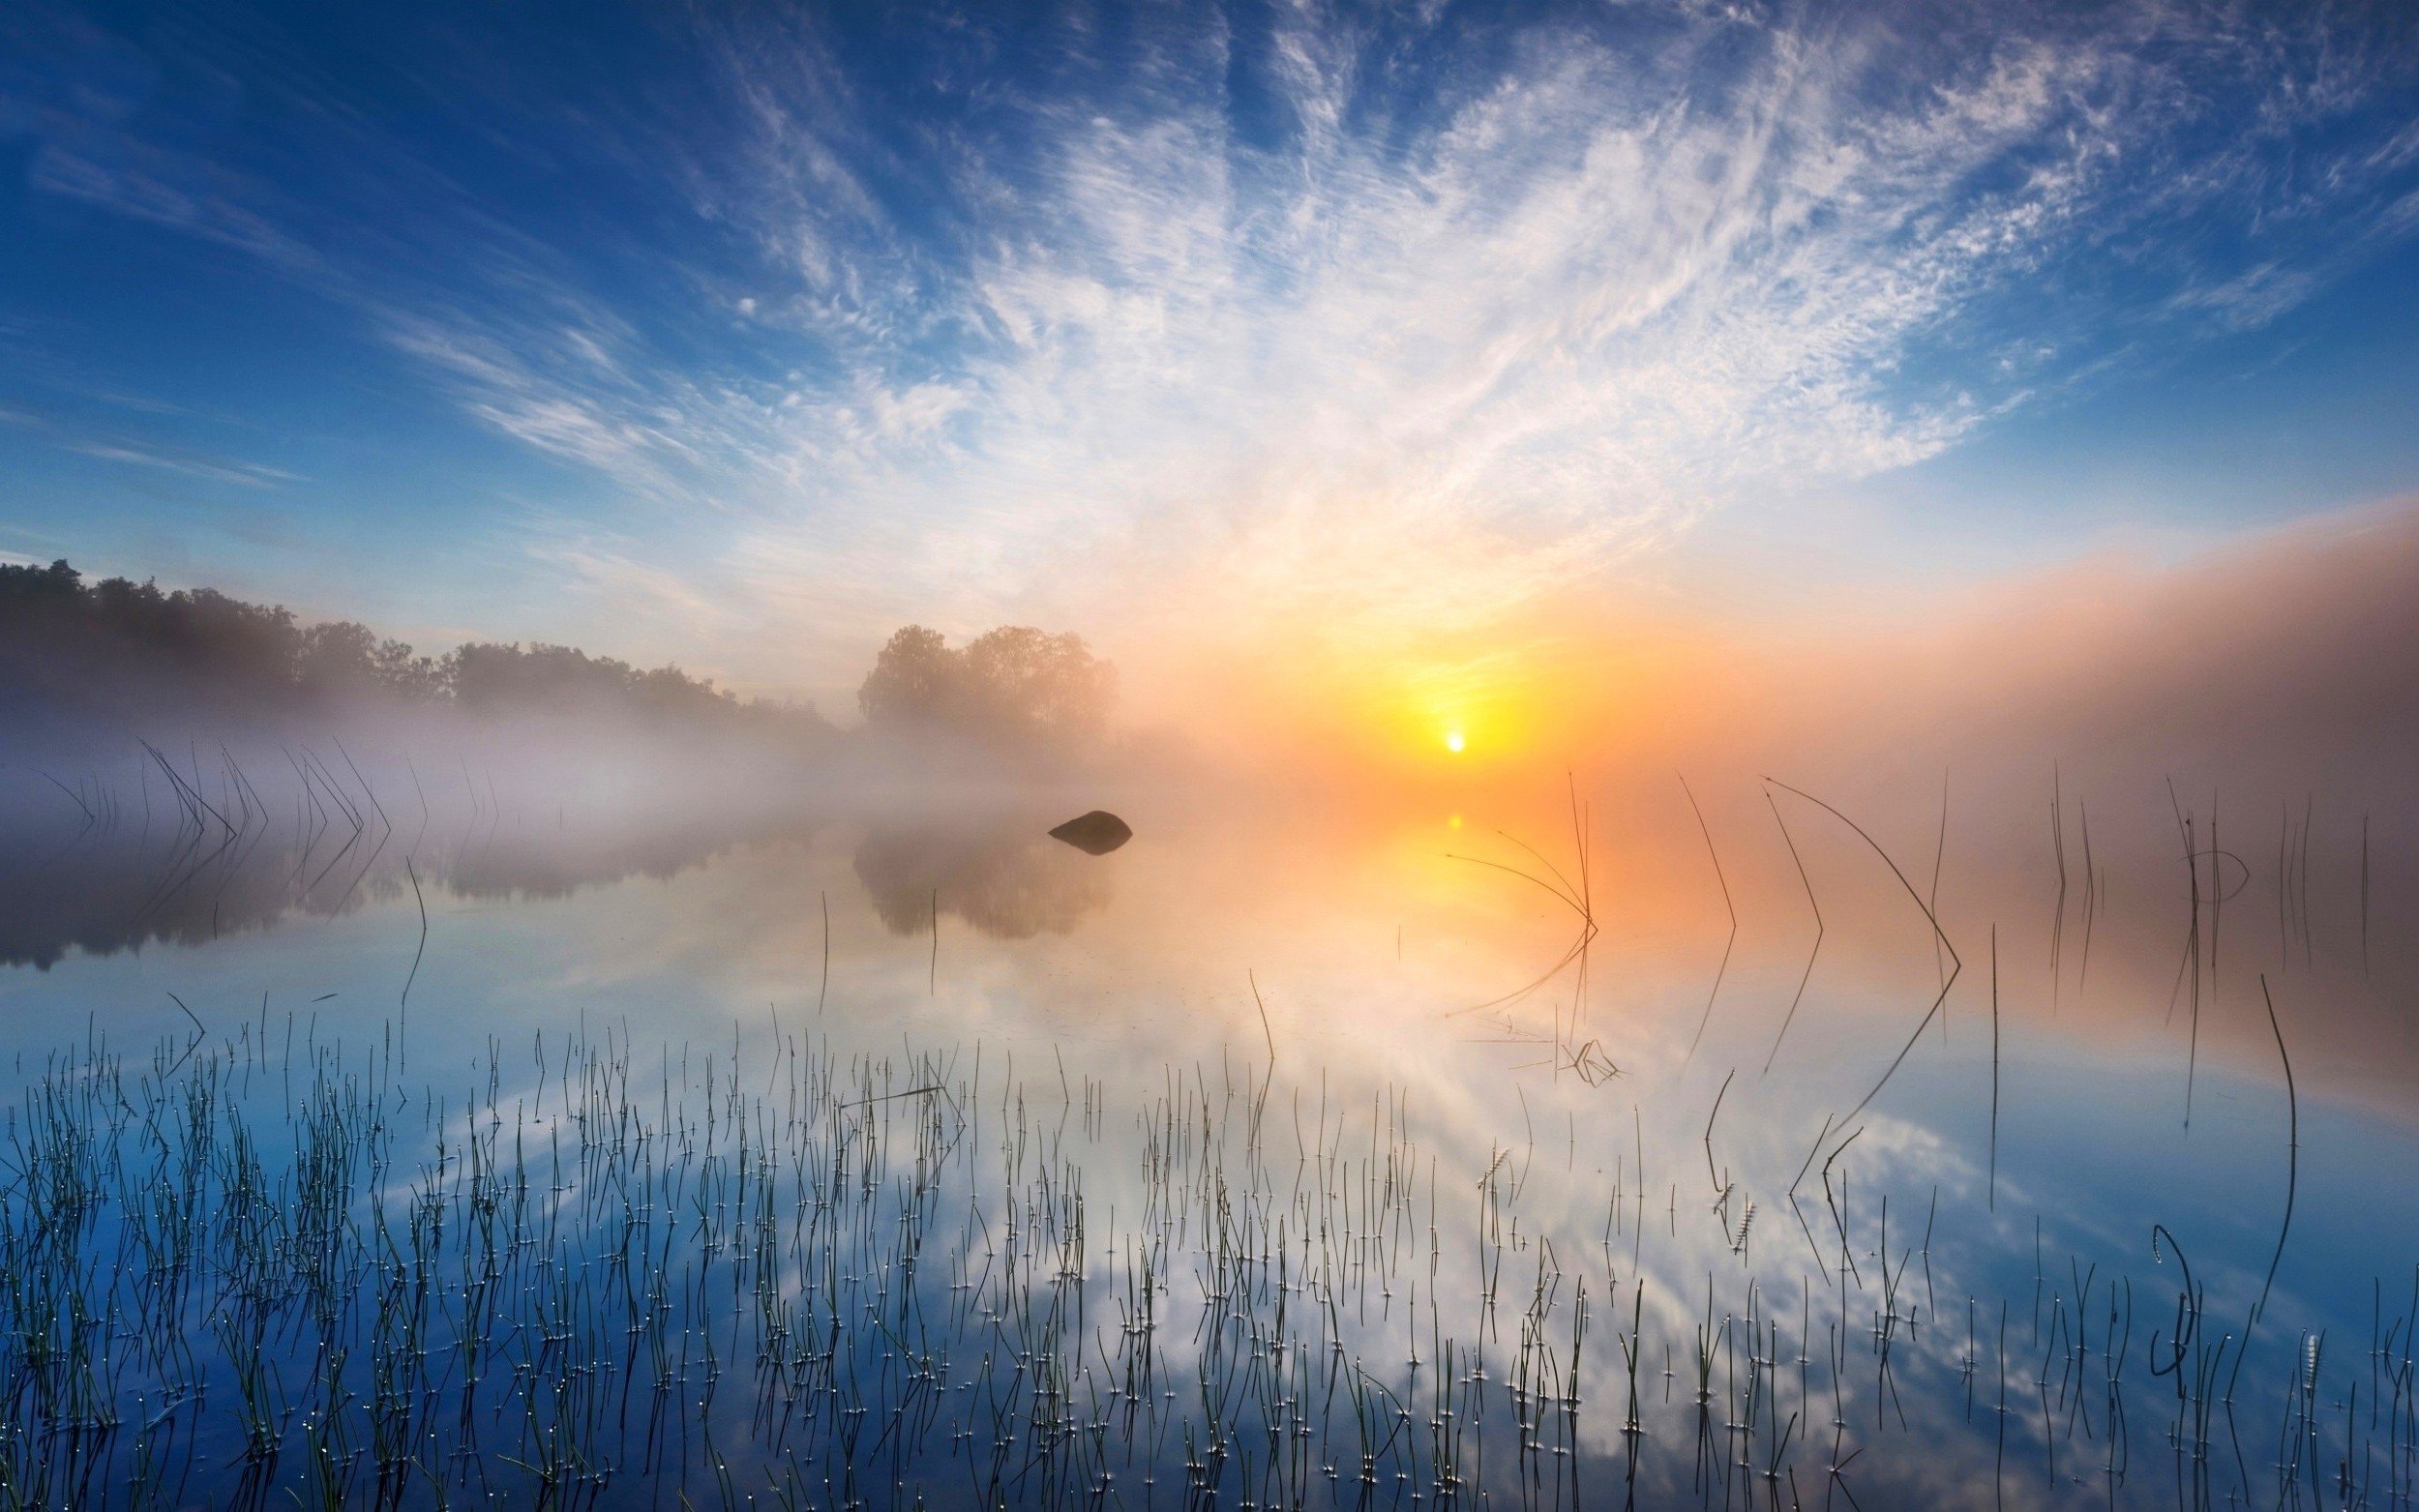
column 1558, row 1150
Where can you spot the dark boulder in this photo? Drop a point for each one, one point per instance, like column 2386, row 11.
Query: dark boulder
column 1097, row 833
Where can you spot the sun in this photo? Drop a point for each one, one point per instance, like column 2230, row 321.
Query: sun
column 1453, row 741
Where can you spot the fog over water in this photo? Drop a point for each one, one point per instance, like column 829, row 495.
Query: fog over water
column 1395, row 758
column 1822, row 1007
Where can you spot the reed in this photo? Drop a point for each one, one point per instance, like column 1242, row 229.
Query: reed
column 768, row 1270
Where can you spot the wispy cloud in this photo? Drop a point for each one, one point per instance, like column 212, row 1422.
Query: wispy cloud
column 1385, row 321
column 107, row 446
column 1404, row 376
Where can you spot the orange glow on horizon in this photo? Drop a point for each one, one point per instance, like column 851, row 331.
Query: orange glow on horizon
column 1472, row 709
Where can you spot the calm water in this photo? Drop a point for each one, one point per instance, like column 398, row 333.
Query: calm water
column 872, row 1153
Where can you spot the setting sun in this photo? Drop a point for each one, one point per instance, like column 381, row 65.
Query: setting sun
column 1027, row 502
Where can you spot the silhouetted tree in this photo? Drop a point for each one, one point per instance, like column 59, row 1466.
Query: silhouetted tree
column 1014, row 686
column 346, row 657
column 118, row 648
column 912, row 682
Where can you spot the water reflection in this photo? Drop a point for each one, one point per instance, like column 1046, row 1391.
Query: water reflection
column 103, row 892
column 74, row 889
column 1301, row 1092
column 1001, row 877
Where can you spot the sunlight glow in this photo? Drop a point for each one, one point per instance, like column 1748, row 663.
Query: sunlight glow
column 1453, row 741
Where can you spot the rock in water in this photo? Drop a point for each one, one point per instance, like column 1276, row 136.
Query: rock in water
column 1097, row 833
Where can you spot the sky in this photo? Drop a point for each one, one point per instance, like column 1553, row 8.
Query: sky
column 1250, row 337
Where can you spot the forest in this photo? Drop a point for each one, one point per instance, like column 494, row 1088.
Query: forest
column 114, row 655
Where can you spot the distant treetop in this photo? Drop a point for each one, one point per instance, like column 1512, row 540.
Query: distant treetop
column 118, row 649
column 1014, row 686
column 120, row 646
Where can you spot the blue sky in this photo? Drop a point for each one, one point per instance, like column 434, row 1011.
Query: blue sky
column 741, row 333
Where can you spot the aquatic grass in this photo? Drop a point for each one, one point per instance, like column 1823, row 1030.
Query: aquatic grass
column 576, row 1273
column 1729, row 906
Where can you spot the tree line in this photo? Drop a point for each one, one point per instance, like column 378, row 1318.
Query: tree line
column 1015, row 686
column 118, row 649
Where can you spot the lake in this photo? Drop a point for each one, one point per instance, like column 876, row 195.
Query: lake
column 382, row 1141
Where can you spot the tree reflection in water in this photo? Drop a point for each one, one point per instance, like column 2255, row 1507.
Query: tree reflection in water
column 1008, row 880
